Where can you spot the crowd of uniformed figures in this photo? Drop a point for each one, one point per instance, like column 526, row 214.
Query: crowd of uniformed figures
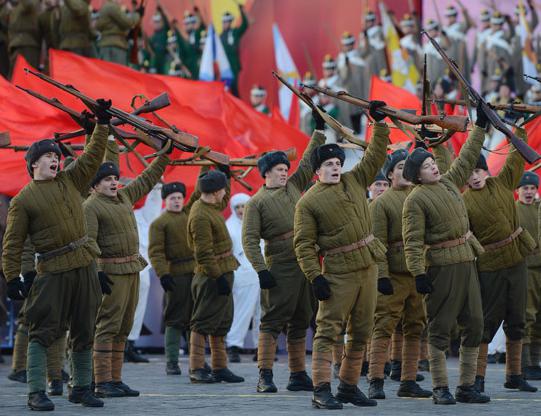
column 395, row 253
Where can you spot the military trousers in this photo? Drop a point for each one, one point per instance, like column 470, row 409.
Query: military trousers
column 89, row 51
column 504, row 293
column 352, row 302
column 61, row 301
column 114, row 54
column 289, row 305
column 532, row 332
column 404, row 307
column 212, row 313
column 115, row 316
column 455, row 297
column 178, row 303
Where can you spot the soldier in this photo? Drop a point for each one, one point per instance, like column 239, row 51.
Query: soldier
column 114, row 24
column 158, row 42
column 190, row 46
column 286, row 297
column 379, row 186
column 334, row 215
column 174, row 264
column 498, row 47
column 435, row 65
column 398, row 301
column 528, row 208
column 440, row 252
column 74, row 30
column 66, row 291
column 456, row 32
column 211, row 286
column 49, row 19
column 258, row 98
column 517, row 43
column 479, row 52
column 503, row 273
column 111, row 223
column 231, row 37
column 23, row 32
column 372, row 45
column 306, row 119
column 354, row 77
column 410, row 41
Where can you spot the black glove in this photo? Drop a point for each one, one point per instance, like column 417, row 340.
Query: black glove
column 16, row 290
column 320, row 122
column 482, row 120
column 167, row 282
column 266, row 280
column 100, row 111
column 385, row 287
column 105, row 283
column 374, row 112
column 87, row 122
column 225, row 169
column 427, row 134
column 322, row 289
column 422, row 284
column 29, row 280
column 223, row 286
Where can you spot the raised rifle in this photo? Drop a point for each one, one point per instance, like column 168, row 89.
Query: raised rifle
column 181, row 140
column 529, row 154
column 449, row 122
column 516, row 107
column 531, row 77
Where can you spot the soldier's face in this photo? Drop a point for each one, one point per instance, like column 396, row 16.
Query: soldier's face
column 108, row 186
column 277, row 176
column 328, row 72
column 330, row 171
column 397, row 177
column 226, row 25
column 347, row 48
column 451, row 20
column 377, row 188
column 526, row 194
column 47, row 166
column 429, row 172
column 369, row 23
column 174, row 202
column 478, row 179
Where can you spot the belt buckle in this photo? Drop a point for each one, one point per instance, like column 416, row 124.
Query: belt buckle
column 72, row 246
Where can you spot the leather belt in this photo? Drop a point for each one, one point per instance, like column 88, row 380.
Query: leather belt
column 504, row 242
column 282, row 237
column 118, row 260
column 350, row 247
column 223, row 255
column 452, row 243
column 68, row 248
column 181, row 260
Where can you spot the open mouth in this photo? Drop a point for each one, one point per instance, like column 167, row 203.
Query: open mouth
column 54, row 168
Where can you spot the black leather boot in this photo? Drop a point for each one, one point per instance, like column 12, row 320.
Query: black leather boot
column 532, row 373
column 350, row 393
column 300, row 381
column 517, row 382
column 423, row 365
column 479, row 384
column 172, row 369
column 442, row 395
column 19, row 376
column 201, row 375
column 409, row 388
column 123, row 387
column 39, row 401
column 84, row 396
column 469, row 394
column 234, row 354
column 55, row 388
column 226, row 375
column 131, row 355
column 107, row 389
column 396, row 370
column 375, row 391
column 265, row 383
column 323, row 398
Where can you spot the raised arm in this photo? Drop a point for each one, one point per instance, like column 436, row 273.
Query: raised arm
column 144, row 183
column 243, row 22
column 251, row 236
column 367, row 168
column 112, row 153
column 302, row 176
column 14, row 238
column 305, row 240
column 464, row 164
column 514, row 166
column 443, row 158
column 156, row 248
column 413, row 233
column 85, row 166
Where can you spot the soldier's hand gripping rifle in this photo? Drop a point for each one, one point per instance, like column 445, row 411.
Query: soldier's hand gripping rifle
column 529, row 154
column 181, row 140
column 457, row 123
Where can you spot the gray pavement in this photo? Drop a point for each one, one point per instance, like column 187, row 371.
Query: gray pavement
column 174, row 395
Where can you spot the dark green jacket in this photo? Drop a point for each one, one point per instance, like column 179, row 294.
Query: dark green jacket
column 436, row 213
column 386, row 213
column 270, row 213
column 528, row 219
column 114, row 24
column 190, row 50
column 49, row 20
column 23, row 27
column 74, row 29
column 231, row 42
column 330, row 216
column 50, row 212
column 112, row 224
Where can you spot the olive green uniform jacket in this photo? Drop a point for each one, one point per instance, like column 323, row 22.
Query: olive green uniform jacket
column 114, row 25
column 75, row 32
column 23, row 32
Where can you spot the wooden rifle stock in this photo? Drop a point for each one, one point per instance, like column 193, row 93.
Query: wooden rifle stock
column 516, row 107
column 243, row 161
column 457, row 123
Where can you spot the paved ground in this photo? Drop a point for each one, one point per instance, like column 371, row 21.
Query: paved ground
column 168, row 395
